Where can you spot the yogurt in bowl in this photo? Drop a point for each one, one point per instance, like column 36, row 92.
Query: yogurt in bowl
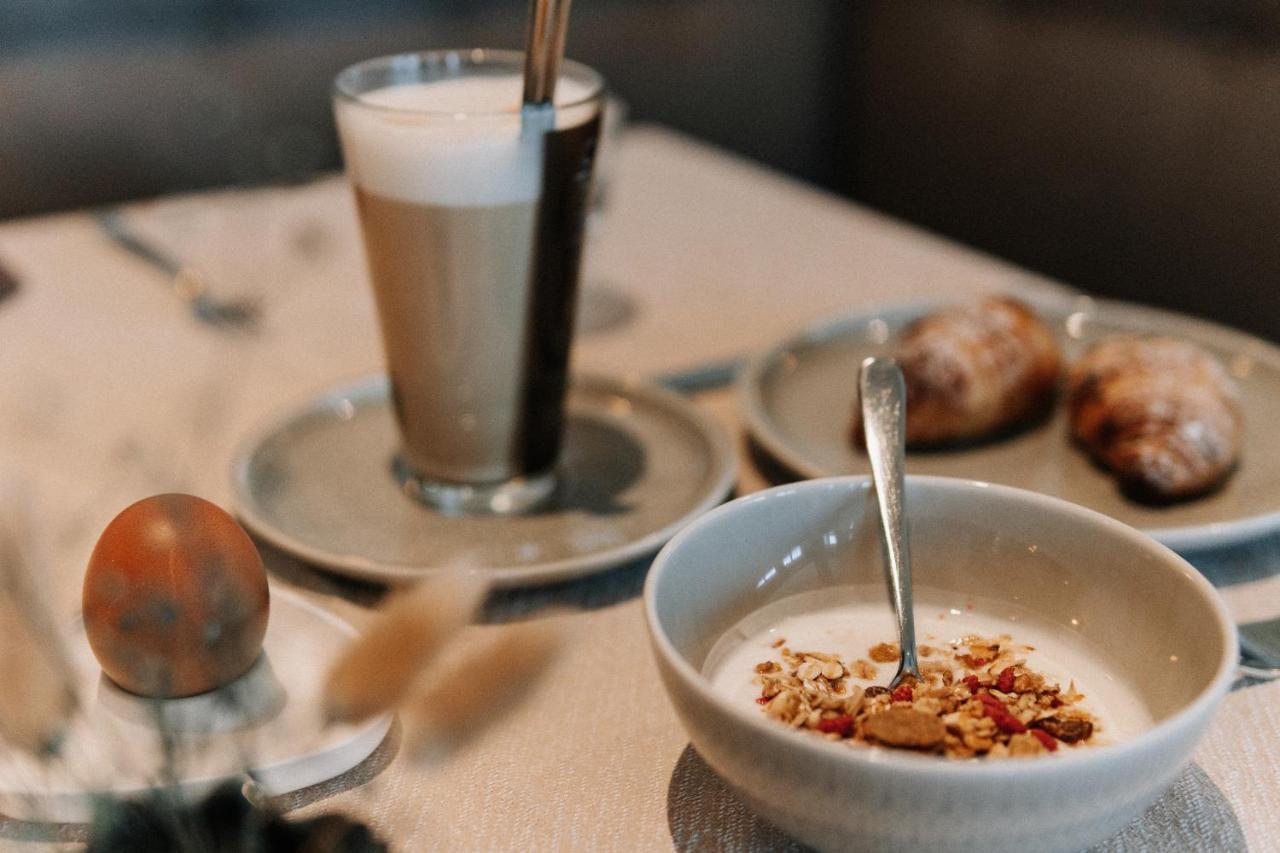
column 964, row 655
column 1107, row 613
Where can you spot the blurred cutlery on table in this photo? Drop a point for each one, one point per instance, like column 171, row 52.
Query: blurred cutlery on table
column 8, row 282
column 1260, row 650
column 220, row 312
column 1251, row 672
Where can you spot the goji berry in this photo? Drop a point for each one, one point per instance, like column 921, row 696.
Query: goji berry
column 762, row 700
column 1004, row 682
column 841, row 725
column 1046, row 739
column 990, row 701
column 971, row 681
column 1009, row 723
column 902, row 694
column 979, row 662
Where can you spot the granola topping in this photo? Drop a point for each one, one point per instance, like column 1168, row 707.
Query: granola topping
column 884, row 653
column 975, row 698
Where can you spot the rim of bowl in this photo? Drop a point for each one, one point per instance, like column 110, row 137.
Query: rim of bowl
column 910, row 762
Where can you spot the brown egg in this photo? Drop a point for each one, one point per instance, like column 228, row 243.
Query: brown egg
column 175, row 598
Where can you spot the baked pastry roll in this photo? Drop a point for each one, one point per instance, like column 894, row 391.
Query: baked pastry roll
column 1160, row 413
column 974, row 371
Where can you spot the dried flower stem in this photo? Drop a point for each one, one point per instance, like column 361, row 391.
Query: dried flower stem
column 378, row 669
column 37, row 699
column 480, row 684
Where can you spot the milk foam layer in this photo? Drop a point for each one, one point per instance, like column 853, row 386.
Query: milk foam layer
column 811, row 622
column 455, row 142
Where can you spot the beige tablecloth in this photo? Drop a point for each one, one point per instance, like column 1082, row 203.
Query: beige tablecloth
column 109, row 391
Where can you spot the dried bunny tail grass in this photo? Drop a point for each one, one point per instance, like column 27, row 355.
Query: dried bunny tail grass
column 378, row 668
column 477, row 686
column 37, row 700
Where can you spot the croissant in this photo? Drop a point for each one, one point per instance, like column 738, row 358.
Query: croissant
column 1160, row 413
column 975, row 370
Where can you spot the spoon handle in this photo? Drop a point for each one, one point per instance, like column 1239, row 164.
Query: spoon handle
column 114, row 227
column 883, row 394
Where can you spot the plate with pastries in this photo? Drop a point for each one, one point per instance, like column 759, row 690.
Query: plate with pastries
column 1157, row 419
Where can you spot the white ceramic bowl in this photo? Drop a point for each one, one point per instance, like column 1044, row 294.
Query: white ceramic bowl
column 1150, row 614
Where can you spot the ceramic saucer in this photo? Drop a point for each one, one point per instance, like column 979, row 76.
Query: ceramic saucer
column 638, row 463
column 267, row 721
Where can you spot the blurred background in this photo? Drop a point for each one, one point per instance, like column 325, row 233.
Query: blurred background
column 1129, row 147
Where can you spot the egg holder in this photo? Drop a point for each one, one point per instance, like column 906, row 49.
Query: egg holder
column 265, row 725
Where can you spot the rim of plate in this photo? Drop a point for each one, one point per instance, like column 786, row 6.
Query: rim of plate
column 370, row 387
column 1188, row 538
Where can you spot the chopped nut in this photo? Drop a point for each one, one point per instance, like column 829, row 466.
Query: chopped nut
column 830, row 702
column 853, row 702
column 1025, row 744
column 821, row 656
column 939, row 670
column 809, row 670
column 1065, row 730
column 1028, row 682
column 783, row 706
column 864, row 669
column 979, row 648
column 885, row 653
column 905, row 727
column 768, row 666
column 977, row 742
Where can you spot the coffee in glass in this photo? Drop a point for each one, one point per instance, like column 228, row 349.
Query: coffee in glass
column 472, row 222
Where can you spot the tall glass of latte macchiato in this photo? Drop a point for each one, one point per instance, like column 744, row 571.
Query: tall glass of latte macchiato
column 472, row 221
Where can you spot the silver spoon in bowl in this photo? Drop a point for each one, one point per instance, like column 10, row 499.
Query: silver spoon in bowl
column 883, row 396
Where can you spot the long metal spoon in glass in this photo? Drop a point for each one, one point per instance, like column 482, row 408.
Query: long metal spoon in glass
column 883, row 394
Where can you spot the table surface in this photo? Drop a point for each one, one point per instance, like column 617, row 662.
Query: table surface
column 110, row 391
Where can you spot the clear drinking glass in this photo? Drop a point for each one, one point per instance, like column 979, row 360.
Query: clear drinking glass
column 472, row 213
